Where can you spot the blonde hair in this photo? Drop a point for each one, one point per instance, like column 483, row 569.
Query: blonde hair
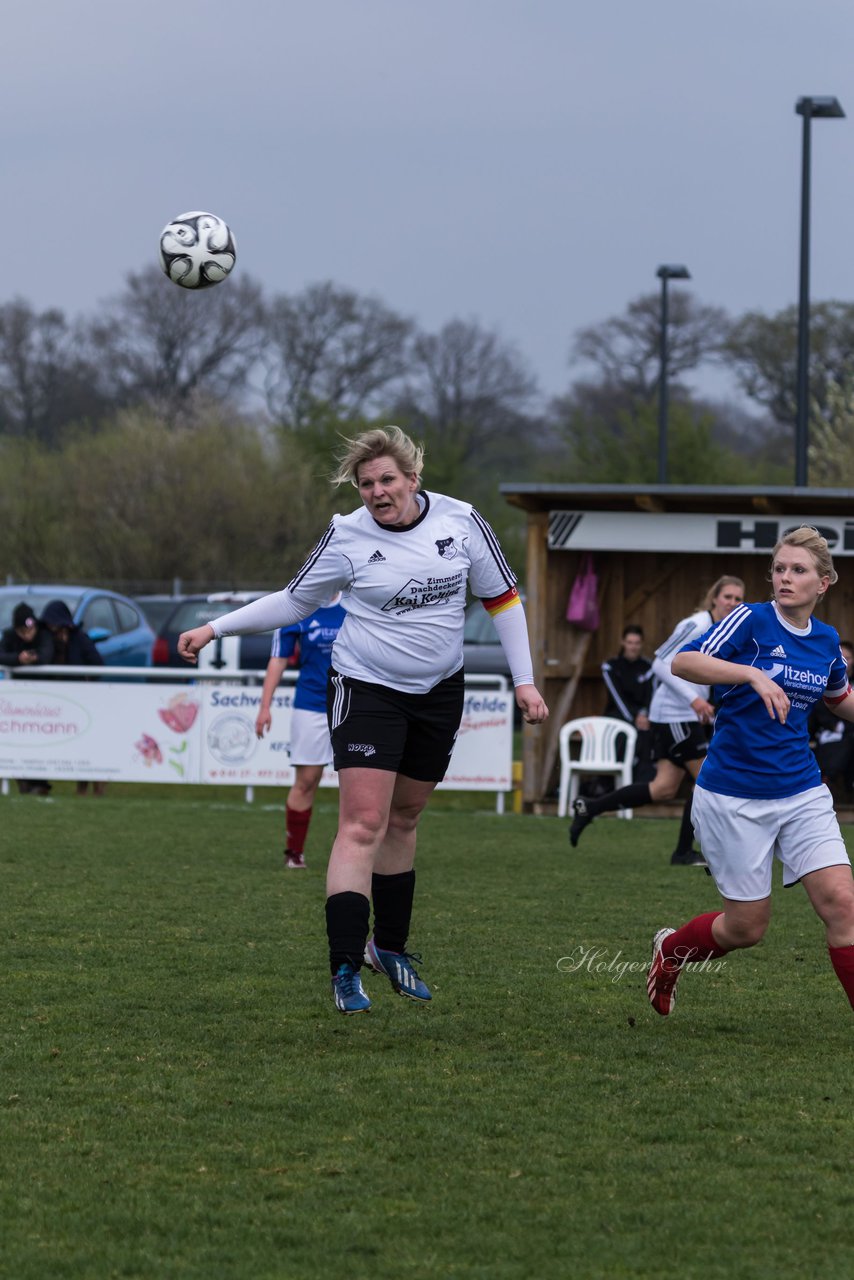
column 810, row 539
column 381, row 442
column 725, row 580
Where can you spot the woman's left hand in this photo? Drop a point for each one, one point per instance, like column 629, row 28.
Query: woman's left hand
column 531, row 704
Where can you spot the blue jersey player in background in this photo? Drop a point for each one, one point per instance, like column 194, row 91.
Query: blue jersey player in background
column 759, row 794
column 310, row 748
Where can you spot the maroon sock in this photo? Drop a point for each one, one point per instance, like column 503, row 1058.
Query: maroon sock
column 296, row 828
column 842, row 959
column 694, row 942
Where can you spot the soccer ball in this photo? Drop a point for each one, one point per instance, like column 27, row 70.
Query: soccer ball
column 197, row 250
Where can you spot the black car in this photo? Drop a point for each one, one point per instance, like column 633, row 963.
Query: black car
column 231, row 653
column 157, row 608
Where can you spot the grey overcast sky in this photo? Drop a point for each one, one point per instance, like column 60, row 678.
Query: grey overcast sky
column 527, row 163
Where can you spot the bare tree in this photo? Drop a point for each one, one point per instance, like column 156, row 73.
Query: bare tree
column 626, row 349
column 468, row 398
column 763, row 352
column 46, row 382
column 330, row 347
column 468, row 387
column 164, row 346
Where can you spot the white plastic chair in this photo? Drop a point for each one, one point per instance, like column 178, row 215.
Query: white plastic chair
column 600, row 738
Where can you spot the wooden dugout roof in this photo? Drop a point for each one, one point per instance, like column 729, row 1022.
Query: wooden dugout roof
column 664, row 497
column 654, row 568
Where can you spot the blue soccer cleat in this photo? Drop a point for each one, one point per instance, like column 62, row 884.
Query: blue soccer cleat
column 348, row 991
column 397, row 966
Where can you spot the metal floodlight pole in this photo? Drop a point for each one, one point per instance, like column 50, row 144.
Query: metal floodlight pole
column 821, row 108
column 664, row 274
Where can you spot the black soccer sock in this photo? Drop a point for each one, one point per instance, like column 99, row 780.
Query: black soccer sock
column 685, row 843
column 347, row 919
column 392, row 897
column 634, row 796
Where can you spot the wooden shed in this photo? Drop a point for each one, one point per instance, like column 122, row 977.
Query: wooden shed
column 656, row 551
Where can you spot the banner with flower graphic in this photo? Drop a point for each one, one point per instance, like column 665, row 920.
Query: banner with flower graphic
column 88, row 730
column 111, row 732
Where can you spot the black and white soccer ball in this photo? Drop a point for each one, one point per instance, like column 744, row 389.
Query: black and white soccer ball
column 197, row 250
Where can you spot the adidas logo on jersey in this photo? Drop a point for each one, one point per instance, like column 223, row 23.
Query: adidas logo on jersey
column 779, row 652
column 378, row 556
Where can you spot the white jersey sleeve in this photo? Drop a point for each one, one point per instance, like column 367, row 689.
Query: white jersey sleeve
column 512, row 627
column 490, row 574
column 671, row 702
column 327, row 570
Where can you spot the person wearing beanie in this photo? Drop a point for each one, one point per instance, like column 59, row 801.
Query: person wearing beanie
column 24, row 644
column 26, row 641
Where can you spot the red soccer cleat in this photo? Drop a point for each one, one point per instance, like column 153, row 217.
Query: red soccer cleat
column 662, row 977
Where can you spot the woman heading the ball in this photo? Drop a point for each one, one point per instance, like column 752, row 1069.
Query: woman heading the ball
column 403, row 561
column 759, row 794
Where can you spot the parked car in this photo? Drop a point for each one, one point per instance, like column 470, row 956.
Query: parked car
column 115, row 622
column 157, row 608
column 231, row 653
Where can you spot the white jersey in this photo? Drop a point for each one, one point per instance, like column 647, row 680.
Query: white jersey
column 404, row 591
column 671, row 702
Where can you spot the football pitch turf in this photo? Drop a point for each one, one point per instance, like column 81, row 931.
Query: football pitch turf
column 181, row 1099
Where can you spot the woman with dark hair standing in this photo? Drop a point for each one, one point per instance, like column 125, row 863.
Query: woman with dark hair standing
column 760, row 794
column 403, row 561
column 678, row 715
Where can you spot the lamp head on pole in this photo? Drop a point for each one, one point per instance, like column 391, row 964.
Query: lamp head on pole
column 673, row 272
column 820, row 108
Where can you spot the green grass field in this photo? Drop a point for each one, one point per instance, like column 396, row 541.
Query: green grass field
column 181, row 1099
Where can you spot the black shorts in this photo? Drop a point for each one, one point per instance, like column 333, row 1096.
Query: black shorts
column 680, row 742
column 373, row 727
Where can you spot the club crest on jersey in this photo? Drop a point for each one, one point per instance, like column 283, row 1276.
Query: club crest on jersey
column 446, row 548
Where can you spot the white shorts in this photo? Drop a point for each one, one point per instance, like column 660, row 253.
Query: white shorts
column 309, row 742
column 741, row 838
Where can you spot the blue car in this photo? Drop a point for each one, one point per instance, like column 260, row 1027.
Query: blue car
column 116, row 623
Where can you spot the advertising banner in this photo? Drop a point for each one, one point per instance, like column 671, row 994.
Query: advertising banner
column 687, row 532
column 99, row 730
column 230, row 750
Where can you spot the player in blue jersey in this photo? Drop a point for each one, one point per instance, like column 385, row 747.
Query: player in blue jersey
column 759, row 794
column 404, row 560
column 310, row 748
column 678, row 715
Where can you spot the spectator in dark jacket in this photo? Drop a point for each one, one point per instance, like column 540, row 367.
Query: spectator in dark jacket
column 27, row 641
column 629, row 682
column 73, row 647
column 24, row 644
